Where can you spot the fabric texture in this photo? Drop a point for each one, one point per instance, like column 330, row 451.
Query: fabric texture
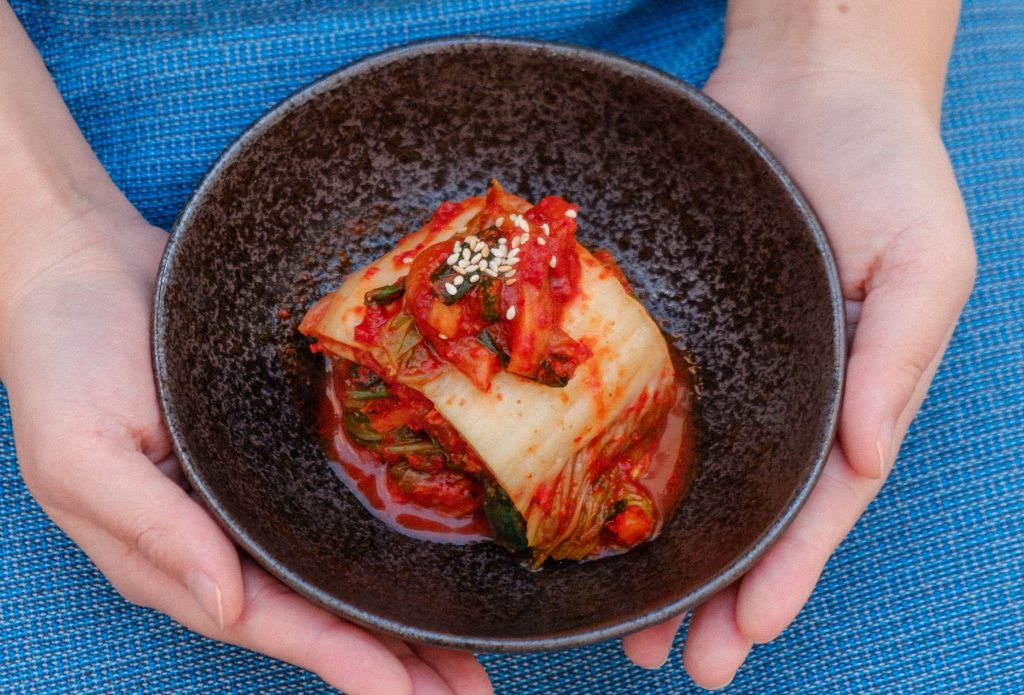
column 926, row 594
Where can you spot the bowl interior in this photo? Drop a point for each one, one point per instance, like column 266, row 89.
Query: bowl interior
column 719, row 247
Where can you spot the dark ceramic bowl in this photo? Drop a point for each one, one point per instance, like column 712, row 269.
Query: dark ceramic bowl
column 719, row 243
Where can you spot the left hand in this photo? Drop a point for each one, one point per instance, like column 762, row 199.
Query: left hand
column 95, row 454
column 868, row 155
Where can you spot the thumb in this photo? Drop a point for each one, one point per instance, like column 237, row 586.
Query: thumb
column 907, row 317
column 148, row 512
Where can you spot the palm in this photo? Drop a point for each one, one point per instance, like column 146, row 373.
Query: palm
column 872, row 165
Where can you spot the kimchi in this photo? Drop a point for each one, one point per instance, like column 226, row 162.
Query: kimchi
column 495, row 372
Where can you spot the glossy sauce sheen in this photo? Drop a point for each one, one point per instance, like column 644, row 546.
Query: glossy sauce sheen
column 367, row 478
column 666, row 479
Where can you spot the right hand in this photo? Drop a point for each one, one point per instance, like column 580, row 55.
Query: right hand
column 93, row 450
column 869, row 157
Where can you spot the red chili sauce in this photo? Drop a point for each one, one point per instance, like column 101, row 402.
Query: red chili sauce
column 446, row 508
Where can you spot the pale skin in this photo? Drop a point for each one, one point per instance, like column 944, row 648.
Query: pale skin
column 846, row 95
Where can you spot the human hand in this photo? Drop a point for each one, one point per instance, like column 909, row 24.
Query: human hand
column 865, row 149
column 75, row 358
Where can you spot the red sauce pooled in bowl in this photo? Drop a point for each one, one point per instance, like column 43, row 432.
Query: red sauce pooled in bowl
column 665, row 480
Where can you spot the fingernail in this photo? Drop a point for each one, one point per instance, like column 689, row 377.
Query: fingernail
column 884, row 446
column 207, row 595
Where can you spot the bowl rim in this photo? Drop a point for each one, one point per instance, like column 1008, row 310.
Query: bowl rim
column 575, row 637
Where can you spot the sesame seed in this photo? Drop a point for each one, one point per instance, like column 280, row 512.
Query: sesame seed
column 511, row 313
column 512, row 260
column 442, row 336
column 513, row 253
column 522, row 224
column 466, row 254
column 407, row 260
column 510, row 281
column 452, row 289
column 482, row 264
column 510, row 273
column 492, row 272
column 504, row 268
column 452, row 259
column 459, row 269
column 458, row 280
column 472, row 240
column 523, row 238
column 515, row 242
column 485, row 250
column 475, row 259
column 570, row 213
column 540, row 240
column 474, row 278
column 546, row 229
column 498, row 222
column 499, row 252
column 554, row 261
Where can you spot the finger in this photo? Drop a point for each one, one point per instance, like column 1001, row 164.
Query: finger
column 425, row 680
column 282, row 624
column 126, row 494
column 772, row 593
column 460, row 670
column 906, row 319
column 776, row 588
column 715, row 646
column 275, row 621
column 649, row 648
column 134, row 576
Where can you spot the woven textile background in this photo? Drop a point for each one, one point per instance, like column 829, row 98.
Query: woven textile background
column 925, row 596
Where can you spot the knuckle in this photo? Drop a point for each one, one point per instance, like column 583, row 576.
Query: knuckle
column 58, row 474
column 125, row 576
column 46, row 476
column 133, row 594
column 913, row 363
column 149, row 539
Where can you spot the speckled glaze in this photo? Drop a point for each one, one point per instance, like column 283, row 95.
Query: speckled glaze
column 719, row 244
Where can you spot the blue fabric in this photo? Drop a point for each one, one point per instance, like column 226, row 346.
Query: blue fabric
column 926, row 594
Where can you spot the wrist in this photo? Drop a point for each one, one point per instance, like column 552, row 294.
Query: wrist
column 63, row 252
column 48, row 222
column 55, row 190
column 903, row 45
